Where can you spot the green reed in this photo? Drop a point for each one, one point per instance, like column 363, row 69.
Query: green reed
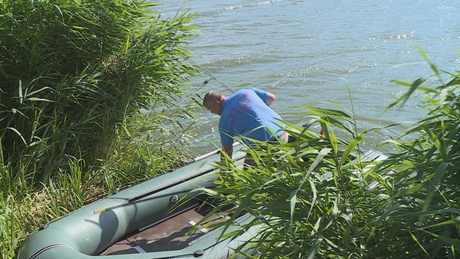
column 72, row 72
column 424, row 215
column 78, row 80
column 319, row 198
column 304, row 193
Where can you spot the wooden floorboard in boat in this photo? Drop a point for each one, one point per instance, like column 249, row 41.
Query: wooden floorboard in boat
column 172, row 234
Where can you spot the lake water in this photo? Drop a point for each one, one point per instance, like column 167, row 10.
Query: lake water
column 320, row 51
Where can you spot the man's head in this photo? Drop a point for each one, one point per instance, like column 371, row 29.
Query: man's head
column 213, row 101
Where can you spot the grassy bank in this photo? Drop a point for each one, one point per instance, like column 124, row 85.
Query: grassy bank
column 78, row 80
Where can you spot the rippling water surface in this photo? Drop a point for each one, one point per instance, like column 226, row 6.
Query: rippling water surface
column 306, row 51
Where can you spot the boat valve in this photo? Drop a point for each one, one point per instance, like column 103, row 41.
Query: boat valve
column 198, row 253
column 174, row 198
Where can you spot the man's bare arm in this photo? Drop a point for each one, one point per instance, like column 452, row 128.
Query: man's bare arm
column 270, row 99
column 228, row 150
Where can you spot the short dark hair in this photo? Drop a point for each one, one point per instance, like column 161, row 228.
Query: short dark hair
column 205, row 98
column 210, row 96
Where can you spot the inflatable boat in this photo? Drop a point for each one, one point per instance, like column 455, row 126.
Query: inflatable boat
column 149, row 220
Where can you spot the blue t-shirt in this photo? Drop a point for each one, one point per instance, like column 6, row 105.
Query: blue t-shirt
column 245, row 114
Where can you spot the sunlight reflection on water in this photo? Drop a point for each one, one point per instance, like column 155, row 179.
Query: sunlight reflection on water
column 306, row 51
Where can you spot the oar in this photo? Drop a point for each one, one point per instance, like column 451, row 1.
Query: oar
column 196, row 159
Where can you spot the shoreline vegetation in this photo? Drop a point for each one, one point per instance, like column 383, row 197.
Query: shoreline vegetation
column 85, row 88
column 317, row 198
column 89, row 94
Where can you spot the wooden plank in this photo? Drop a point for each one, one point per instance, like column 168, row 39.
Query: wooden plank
column 172, row 234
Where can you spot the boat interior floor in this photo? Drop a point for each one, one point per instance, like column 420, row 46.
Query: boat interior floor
column 173, row 233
